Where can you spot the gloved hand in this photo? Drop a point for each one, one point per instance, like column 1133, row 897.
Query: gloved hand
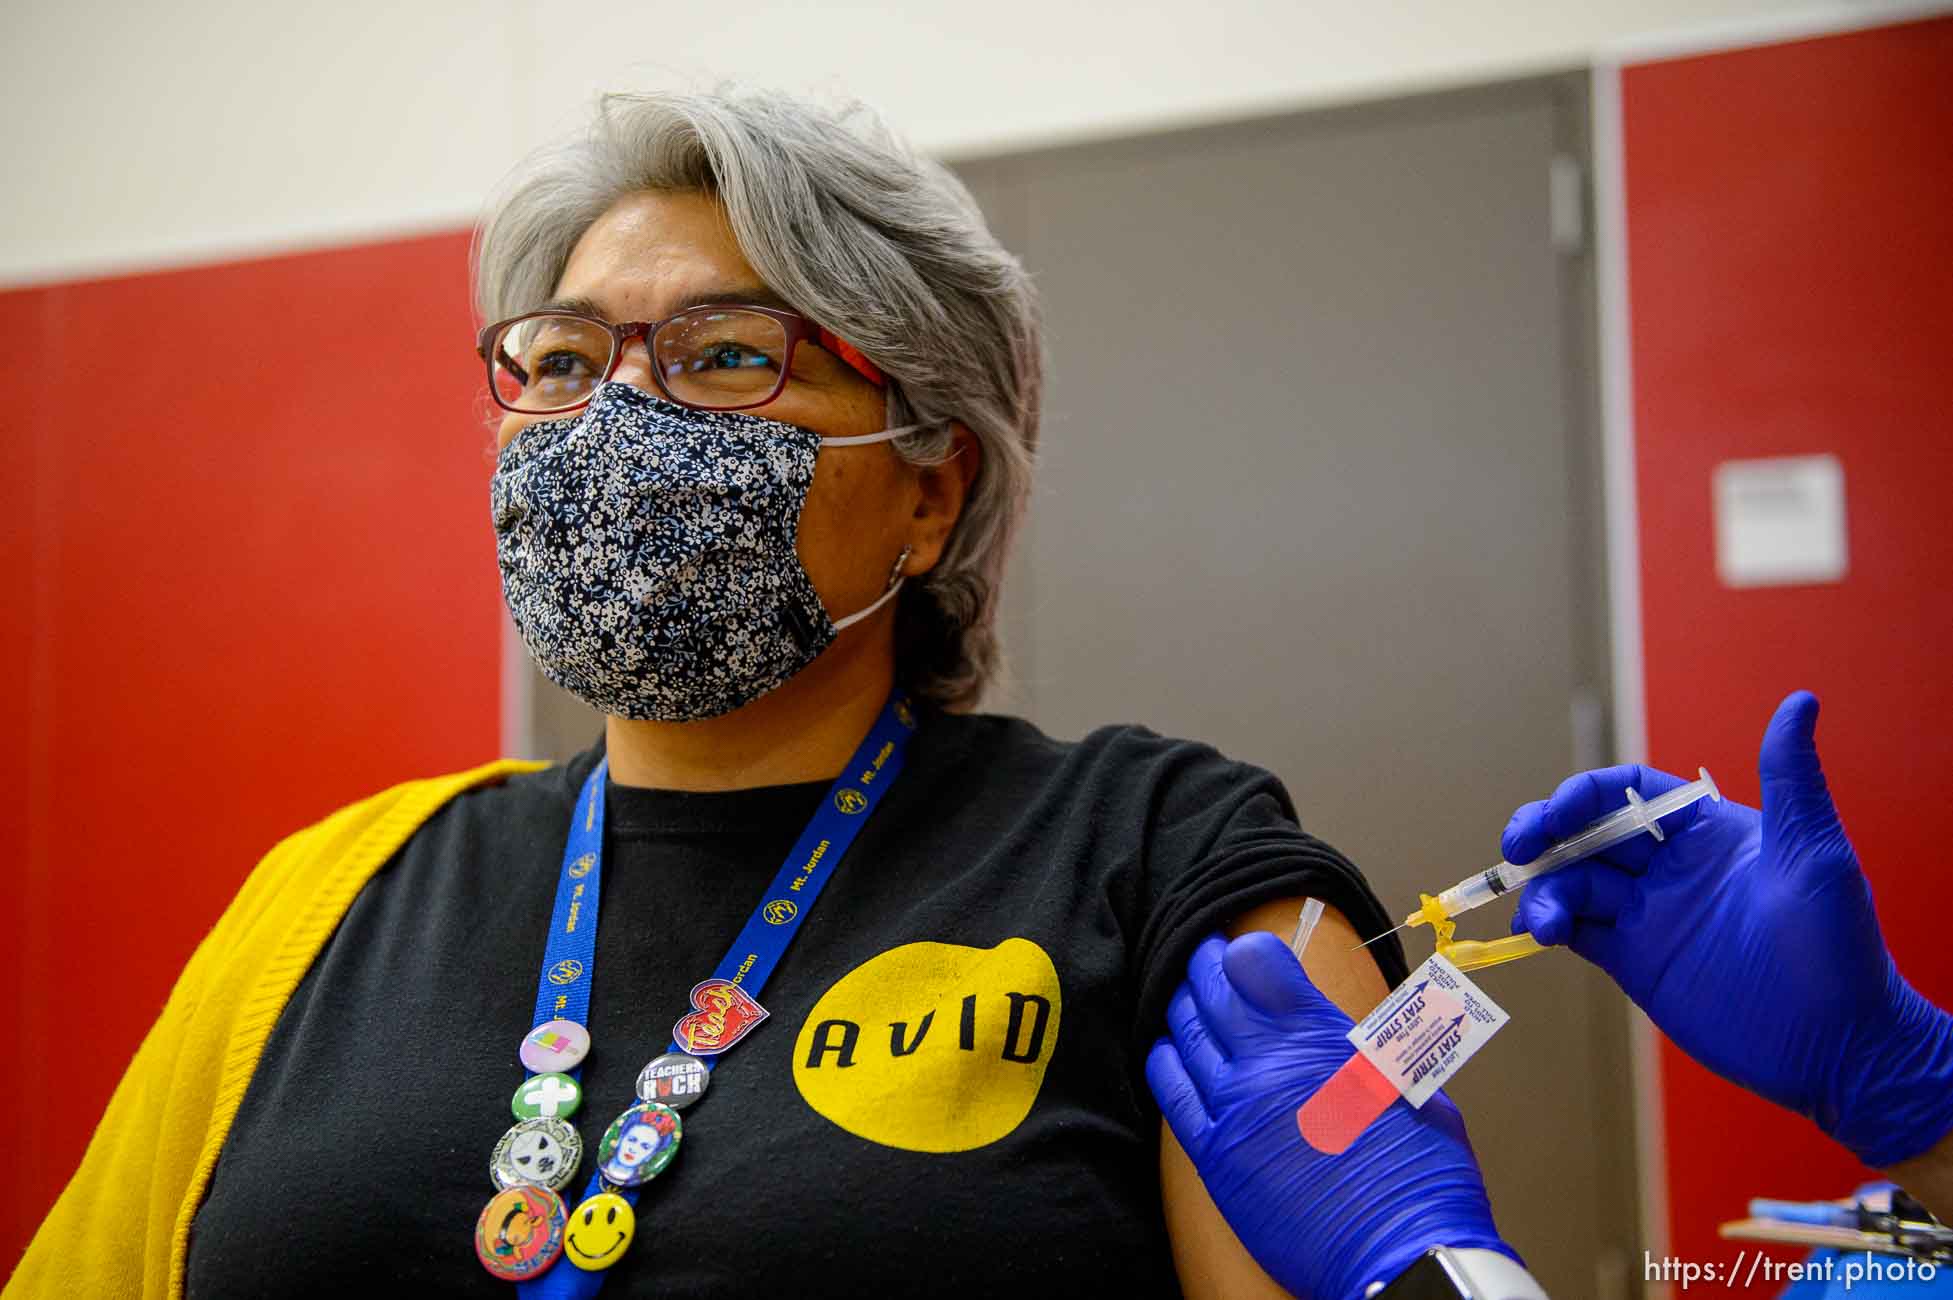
column 1252, row 1040
column 1751, row 940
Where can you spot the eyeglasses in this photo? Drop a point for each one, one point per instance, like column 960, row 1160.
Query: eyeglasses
column 718, row 357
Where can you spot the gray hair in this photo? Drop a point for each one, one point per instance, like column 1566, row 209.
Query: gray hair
column 882, row 246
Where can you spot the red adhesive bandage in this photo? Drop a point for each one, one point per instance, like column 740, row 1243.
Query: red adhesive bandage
column 1346, row 1104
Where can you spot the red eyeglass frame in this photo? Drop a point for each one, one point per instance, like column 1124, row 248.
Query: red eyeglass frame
column 796, row 327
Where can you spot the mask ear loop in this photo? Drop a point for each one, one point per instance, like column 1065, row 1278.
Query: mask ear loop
column 861, row 439
column 895, row 581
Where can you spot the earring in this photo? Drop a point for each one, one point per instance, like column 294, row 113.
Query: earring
column 895, row 573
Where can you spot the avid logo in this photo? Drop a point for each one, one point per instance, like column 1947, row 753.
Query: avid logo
column 1023, row 1036
column 932, row 1046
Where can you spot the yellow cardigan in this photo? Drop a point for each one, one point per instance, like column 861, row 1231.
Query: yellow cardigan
column 122, row 1227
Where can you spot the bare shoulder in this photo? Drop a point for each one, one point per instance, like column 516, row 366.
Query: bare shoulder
column 1347, row 976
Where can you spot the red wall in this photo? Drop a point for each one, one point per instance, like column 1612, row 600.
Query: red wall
column 244, row 517
column 1790, row 262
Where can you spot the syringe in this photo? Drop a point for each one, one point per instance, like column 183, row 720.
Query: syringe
column 1481, row 887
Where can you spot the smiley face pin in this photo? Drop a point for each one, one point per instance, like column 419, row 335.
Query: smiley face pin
column 600, row 1232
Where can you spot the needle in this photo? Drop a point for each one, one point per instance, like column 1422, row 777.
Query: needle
column 1385, row 935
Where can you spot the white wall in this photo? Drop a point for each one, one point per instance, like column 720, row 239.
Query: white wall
column 140, row 135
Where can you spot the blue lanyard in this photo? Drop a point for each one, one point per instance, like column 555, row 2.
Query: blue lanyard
column 570, row 957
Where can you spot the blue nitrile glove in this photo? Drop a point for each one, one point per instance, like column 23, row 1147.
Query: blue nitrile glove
column 1251, row 1041
column 1750, row 939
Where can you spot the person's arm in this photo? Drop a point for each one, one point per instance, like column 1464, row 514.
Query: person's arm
column 122, row 1225
column 1750, row 938
column 1251, row 1039
column 1929, row 1178
column 1209, row 1258
column 132, row 1166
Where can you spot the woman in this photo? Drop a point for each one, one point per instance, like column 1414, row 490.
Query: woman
column 769, row 397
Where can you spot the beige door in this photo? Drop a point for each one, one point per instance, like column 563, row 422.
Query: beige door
column 1319, row 487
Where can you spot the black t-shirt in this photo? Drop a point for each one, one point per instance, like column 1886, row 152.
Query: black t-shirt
column 946, row 1100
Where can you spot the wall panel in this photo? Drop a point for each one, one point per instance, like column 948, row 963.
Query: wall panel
column 1790, row 257
column 246, row 511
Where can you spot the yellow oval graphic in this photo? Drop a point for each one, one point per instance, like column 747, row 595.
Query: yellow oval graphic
column 932, row 1046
